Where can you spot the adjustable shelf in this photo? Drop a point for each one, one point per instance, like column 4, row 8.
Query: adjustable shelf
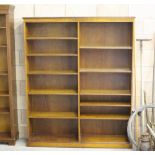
column 3, row 73
column 8, row 109
column 107, row 47
column 4, row 111
column 106, row 92
column 52, row 92
column 51, row 54
column 105, row 104
column 51, row 38
column 69, row 72
column 62, row 115
column 105, row 116
column 79, row 81
column 105, row 70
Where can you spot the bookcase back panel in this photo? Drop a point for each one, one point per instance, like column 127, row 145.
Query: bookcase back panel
column 105, row 58
column 4, row 103
column 4, row 84
column 103, row 127
column 53, row 82
column 52, row 46
column 3, row 20
column 52, row 63
column 104, row 110
column 3, row 60
column 105, row 98
column 54, row 127
column 53, row 103
column 105, row 34
column 2, row 37
column 4, row 123
column 109, row 81
column 52, row 29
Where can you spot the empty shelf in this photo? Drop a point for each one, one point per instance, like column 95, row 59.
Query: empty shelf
column 4, row 110
column 69, row 72
column 51, row 38
column 52, row 92
column 70, row 138
column 2, row 27
column 106, row 70
column 105, row 104
column 3, row 73
column 105, row 116
column 88, row 138
column 106, row 47
column 106, row 92
column 3, row 46
column 63, row 115
column 4, row 93
column 52, row 54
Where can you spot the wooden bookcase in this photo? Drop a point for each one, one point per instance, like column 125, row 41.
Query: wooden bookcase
column 79, row 79
column 8, row 113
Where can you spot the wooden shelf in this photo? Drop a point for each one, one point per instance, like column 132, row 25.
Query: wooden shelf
column 54, row 139
column 4, row 93
column 106, row 70
column 87, row 138
column 105, row 104
column 52, row 54
column 51, row 38
column 106, row 92
column 4, row 111
column 3, row 73
column 69, row 72
column 3, row 46
column 107, row 47
column 61, row 115
column 52, row 92
column 105, row 116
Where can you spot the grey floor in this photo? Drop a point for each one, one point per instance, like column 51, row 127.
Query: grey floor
column 21, row 146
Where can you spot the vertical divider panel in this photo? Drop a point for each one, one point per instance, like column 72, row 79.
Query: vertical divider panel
column 79, row 128
column 27, row 85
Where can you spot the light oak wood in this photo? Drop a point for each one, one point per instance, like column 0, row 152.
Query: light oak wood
column 79, row 74
column 51, row 92
column 104, row 116
column 106, row 47
column 8, row 107
column 51, row 38
column 67, row 72
column 106, row 92
column 52, row 54
column 110, row 70
column 105, row 104
column 62, row 115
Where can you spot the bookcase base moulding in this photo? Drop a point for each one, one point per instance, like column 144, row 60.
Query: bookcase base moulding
column 79, row 81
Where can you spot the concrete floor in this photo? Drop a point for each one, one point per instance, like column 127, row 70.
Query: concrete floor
column 21, row 146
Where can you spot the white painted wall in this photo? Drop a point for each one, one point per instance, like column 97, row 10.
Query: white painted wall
column 145, row 25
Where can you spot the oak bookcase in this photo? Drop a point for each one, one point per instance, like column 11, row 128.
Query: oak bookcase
column 8, row 113
column 79, row 81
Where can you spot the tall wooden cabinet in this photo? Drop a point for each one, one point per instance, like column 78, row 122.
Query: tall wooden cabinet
column 79, row 81
column 8, row 113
